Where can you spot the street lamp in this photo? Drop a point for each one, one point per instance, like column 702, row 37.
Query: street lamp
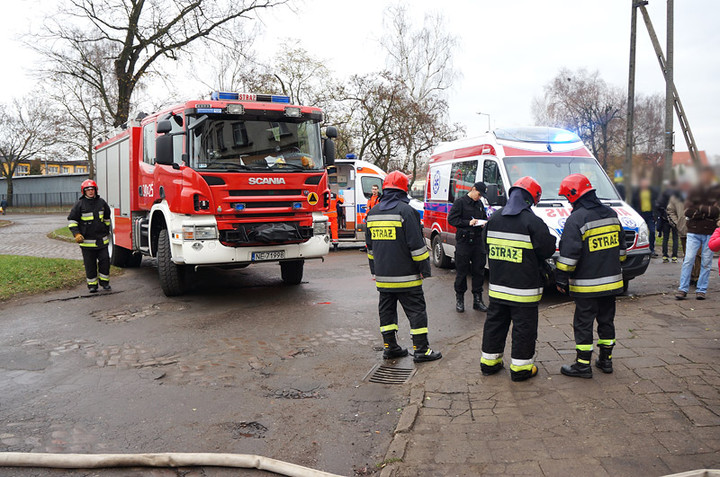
column 488, row 116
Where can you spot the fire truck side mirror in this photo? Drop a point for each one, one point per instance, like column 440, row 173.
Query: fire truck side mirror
column 331, row 131
column 329, row 151
column 164, row 126
column 164, row 149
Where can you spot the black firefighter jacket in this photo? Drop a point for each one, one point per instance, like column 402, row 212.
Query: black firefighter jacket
column 462, row 211
column 592, row 249
column 91, row 219
column 396, row 248
column 517, row 246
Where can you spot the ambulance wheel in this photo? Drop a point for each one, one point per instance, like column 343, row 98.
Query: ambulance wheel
column 292, row 271
column 172, row 276
column 439, row 258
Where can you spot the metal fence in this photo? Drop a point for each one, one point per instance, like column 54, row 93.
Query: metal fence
column 43, row 199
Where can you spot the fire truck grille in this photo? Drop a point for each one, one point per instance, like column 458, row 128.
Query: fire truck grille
column 266, row 233
column 263, row 192
column 267, row 205
column 629, row 238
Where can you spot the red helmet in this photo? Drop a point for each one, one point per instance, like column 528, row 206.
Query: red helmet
column 87, row 184
column 396, row 180
column 575, row 186
column 531, row 185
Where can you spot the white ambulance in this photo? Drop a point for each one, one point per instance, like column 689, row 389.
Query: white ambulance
column 501, row 157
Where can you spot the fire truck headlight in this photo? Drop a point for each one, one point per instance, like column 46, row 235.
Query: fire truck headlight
column 191, row 232
column 320, row 228
column 235, row 109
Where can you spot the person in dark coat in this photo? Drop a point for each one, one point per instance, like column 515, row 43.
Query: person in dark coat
column 643, row 201
column 468, row 216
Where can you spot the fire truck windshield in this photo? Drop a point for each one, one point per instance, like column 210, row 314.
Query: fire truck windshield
column 220, row 142
column 550, row 171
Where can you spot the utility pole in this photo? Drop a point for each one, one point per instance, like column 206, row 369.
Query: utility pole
column 669, row 94
column 627, row 167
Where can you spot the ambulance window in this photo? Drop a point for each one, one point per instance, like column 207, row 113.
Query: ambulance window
column 149, row 143
column 492, row 176
column 368, row 182
column 462, row 177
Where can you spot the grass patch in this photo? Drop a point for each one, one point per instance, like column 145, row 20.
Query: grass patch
column 5, row 223
column 21, row 275
column 63, row 233
column 387, row 462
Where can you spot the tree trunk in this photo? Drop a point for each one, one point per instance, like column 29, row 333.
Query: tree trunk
column 9, row 190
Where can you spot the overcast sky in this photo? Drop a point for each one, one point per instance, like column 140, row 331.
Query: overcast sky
column 507, row 50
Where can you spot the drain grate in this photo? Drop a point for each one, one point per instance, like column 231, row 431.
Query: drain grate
column 384, row 374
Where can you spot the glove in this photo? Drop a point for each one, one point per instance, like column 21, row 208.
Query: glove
column 79, row 238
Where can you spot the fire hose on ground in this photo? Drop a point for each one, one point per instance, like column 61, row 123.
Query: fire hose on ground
column 171, row 459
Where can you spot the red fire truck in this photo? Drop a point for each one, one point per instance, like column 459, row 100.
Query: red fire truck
column 234, row 180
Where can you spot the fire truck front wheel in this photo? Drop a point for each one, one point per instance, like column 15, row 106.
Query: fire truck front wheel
column 173, row 277
column 292, row 271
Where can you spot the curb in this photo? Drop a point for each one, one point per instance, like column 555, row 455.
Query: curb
column 398, row 446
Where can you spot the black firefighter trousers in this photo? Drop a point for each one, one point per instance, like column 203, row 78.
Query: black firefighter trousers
column 413, row 303
column 469, row 260
column 587, row 310
column 97, row 265
column 524, row 333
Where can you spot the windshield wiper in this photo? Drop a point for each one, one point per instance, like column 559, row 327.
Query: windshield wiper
column 226, row 165
column 296, row 167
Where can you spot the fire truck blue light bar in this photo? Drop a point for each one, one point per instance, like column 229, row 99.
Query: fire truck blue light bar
column 263, row 98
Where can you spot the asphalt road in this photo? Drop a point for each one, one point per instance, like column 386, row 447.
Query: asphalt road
column 241, row 364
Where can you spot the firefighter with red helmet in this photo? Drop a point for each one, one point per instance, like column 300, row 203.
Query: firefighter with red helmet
column 89, row 222
column 399, row 259
column 592, row 248
column 518, row 243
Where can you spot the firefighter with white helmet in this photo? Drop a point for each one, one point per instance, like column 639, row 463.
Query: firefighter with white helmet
column 592, row 248
column 399, row 259
column 89, row 222
column 518, row 243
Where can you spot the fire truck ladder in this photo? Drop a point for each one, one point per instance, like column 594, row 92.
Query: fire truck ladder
column 679, row 110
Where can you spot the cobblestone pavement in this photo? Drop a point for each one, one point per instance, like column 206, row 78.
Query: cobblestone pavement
column 28, row 236
column 658, row 413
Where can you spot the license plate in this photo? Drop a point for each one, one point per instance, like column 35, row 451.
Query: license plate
column 263, row 256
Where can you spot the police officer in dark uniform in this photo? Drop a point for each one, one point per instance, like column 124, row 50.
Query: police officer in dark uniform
column 89, row 222
column 592, row 248
column 399, row 259
column 464, row 215
column 518, row 243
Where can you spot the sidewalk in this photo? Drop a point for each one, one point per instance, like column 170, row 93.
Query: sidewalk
column 659, row 413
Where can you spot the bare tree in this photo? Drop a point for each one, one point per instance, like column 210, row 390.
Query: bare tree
column 27, row 129
column 137, row 34
column 585, row 103
column 420, row 61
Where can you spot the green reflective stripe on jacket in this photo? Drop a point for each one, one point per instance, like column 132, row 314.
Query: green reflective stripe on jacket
column 518, row 295
column 386, row 328
column 420, row 258
column 414, row 283
column 509, row 243
column 597, row 288
column 601, row 230
column 86, row 216
column 384, row 223
column 72, row 223
column 565, row 268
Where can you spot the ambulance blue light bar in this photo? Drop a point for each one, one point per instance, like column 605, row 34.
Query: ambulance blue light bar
column 542, row 135
column 262, row 98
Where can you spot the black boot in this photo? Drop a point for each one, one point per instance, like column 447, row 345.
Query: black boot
column 491, row 363
column 604, row 361
column 392, row 348
column 523, row 375
column 93, row 288
column 581, row 367
column 422, row 349
column 478, row 302
column 460, row 302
